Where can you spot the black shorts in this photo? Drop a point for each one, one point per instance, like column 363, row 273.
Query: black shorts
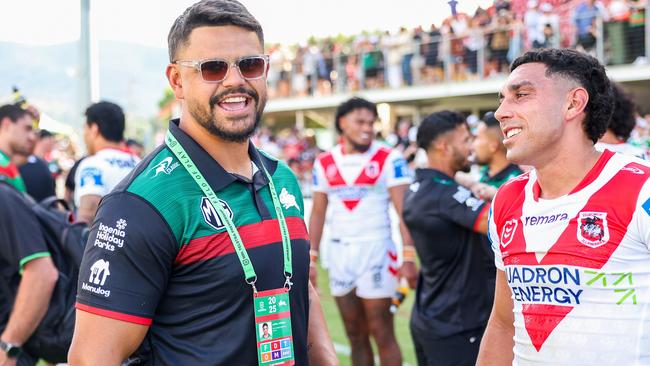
column 457, row 350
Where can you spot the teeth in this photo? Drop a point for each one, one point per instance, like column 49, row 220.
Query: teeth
column 234, row 100
column 513, row 132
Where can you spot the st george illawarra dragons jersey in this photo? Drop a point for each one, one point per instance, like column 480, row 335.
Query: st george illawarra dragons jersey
column 578, row 266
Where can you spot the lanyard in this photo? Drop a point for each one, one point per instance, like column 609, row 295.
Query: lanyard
column 238, row 244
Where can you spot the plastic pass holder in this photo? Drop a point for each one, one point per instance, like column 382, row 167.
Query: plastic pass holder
column 273, row 328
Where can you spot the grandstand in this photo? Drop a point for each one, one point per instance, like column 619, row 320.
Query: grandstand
column 461, row 64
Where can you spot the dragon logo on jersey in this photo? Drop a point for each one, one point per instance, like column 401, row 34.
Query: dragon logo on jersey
column 210, row 213
column 508, row 232
column 372, row 170
column 592, row 229
column 331, row 171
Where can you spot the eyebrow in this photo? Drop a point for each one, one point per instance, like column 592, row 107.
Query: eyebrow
column 514, row 87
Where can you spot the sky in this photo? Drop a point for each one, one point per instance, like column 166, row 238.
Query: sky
column 147, row 22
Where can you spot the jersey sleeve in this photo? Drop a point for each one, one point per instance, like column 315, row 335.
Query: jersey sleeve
column 319, row 181
column 396, row 170
column 459, row 205
column 643, row 215
column 90, row 180
column 493, row 236
column 21, row 238
column 128, row 259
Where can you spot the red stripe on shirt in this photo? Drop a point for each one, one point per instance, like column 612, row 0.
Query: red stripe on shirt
column 114, row 314
column 253, row 235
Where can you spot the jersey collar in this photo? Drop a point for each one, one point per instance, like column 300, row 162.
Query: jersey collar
column 433, row 174
column 215, row 174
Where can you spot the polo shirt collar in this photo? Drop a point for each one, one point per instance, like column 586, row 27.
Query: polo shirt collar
column 428, row 173
column 215, row 174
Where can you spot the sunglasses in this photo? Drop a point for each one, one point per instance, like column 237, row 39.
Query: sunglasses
column 216, row 69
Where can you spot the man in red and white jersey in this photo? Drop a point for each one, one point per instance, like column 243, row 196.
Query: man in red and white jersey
column 358, row 179
column 571, row 237
column 108, row 161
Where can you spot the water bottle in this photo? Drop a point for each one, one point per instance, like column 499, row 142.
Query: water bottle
column 400, row 294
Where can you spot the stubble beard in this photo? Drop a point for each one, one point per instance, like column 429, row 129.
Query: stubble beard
column 208, row 120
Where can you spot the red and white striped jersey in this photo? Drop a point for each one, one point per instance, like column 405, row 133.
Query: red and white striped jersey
column 357, row 189
column 578, row 266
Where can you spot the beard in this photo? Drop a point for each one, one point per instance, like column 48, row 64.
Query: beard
column 22, row 149
column 360, row 147
column 461, row 163
column 208, row 120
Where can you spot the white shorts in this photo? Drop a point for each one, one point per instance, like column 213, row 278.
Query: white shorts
column 370, row 267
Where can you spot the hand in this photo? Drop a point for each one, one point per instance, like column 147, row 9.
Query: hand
column 409, row 271
column 6, row 361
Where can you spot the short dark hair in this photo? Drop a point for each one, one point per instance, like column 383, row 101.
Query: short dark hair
column 490, row 120
column 436, row 124
column 133, row 142
column 109, row 118
column 350, row 105
column 13, row 112
column 210, row 13
column 586, row 71
column 44, row 134
column 623, row 119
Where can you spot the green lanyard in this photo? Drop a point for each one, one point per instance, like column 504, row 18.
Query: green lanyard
column 238, row 244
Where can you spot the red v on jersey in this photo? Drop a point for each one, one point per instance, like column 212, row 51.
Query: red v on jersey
column 568, row 250
column 367, row 177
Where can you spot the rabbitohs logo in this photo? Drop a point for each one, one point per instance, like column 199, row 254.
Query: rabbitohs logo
column 165, row 166
column 592, row 229
column 508, row 232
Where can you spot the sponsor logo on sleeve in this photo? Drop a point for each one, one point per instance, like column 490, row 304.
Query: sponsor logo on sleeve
column 210, row 213
column 288, row 200
column 400, row 168
column 108, row 237
column 99, row 272
column 633, row 169
column 592, row 229
column 508, row 232
column 91, row 177
column 646, row 206
column 314, row 177
column 464, row 196
column 166, row 166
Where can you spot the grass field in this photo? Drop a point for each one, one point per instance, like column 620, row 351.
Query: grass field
column 337, row 331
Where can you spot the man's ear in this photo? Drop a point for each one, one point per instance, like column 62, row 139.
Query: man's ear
column 175, row 80
column 577, row 100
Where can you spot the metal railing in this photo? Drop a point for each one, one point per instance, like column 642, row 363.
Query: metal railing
column 439, row 57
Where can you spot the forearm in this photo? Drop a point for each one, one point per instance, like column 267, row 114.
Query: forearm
column 316, row 223
column 88, row 208
column 321, row 349
column 497, row 344
column 31, row 302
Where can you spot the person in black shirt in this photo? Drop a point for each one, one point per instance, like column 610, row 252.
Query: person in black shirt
column 37, row 176
column 447, row 223
column 490, row 153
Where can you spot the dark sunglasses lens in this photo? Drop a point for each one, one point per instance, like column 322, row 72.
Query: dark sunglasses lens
column 214, row 70
column 251, row 67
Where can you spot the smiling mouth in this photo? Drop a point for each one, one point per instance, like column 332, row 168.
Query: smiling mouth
column 234, row 103
column 513, row 132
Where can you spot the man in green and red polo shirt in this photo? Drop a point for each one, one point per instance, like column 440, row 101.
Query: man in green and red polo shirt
column 204, row 242
column 27, row 272
column 17, row 135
